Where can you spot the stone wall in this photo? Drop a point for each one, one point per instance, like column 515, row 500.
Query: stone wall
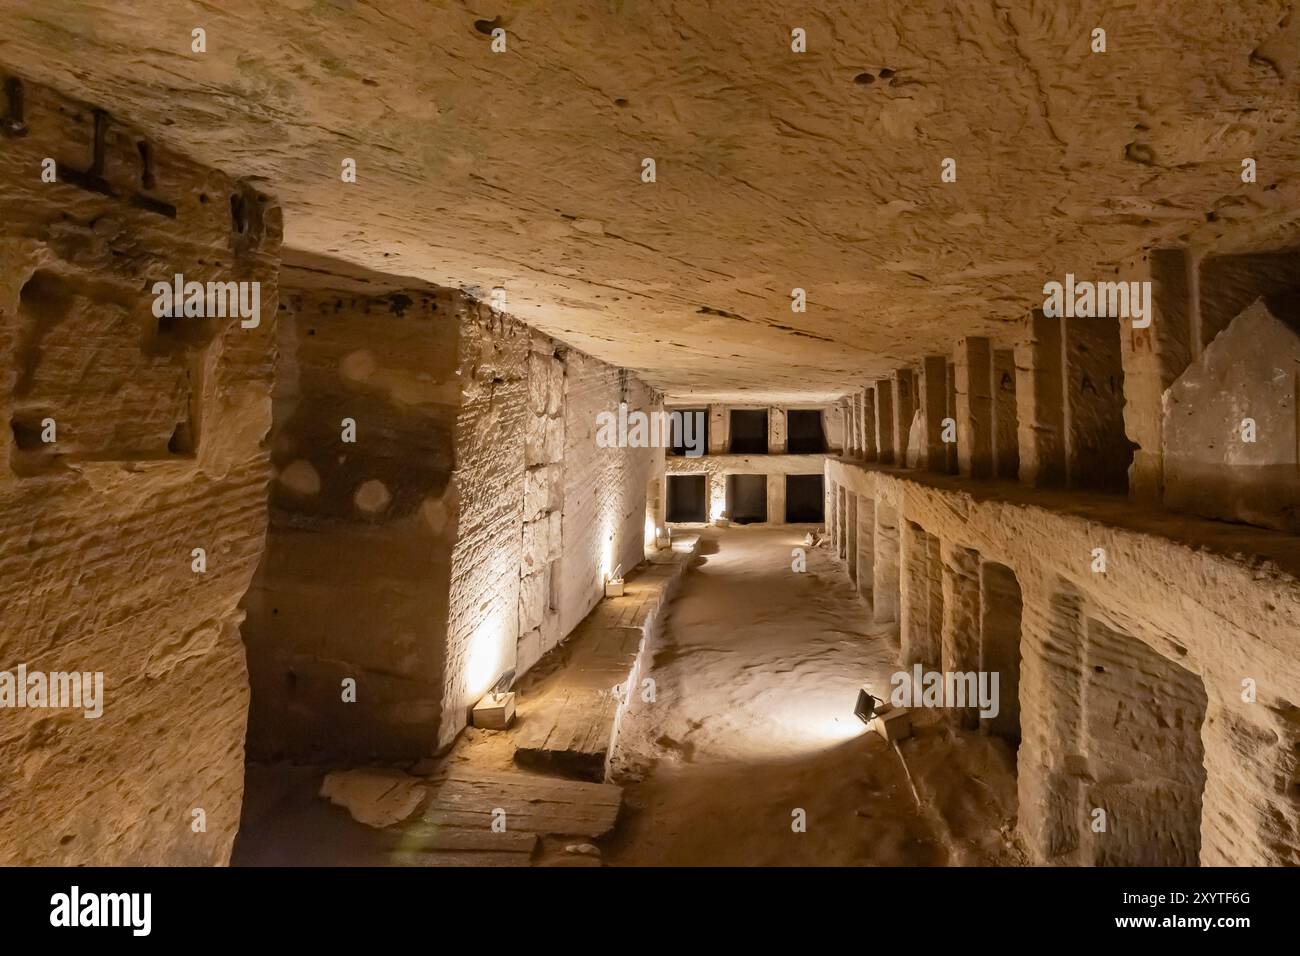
column 543, row 501
column 1097, row 452
column 1040, row 402
column 604, row 523
column 841, row 425
column 458, row 537
column 716, row 468
column 1160, row 690
column 158, row 450
column 1197, row 369
column 354, row 584
column 495, row 548
column 1229, row 432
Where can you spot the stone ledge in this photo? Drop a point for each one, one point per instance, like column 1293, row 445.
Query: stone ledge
column 569, row 719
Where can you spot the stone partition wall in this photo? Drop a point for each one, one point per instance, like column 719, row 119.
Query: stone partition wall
column 884, row 423
column 716, row 468
column 1097, row 452
column 833, row 421
column 932, row 400
column 886, row 567
column 463, row 532
column 1040, row 403
column 355, row 581
column 1005, row 438
column 973, row 398
column 960, row 628
column 851, row 534
column 777, row 436
column 920, row 596
column 903, row 406
column 1194, row 628
column 717, row 465
column 156, row 450
column 1153, row 358
column 866, row 546
column 603, row 524
column 1145, row 758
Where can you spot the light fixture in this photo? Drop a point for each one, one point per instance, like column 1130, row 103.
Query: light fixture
column 614, row 583
column 496, row 709
column 865, row 709
column 892, row 723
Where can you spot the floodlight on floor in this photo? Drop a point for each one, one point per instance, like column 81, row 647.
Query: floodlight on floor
column 865, row 709
column 614, row 583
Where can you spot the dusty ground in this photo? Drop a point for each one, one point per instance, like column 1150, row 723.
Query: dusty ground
column 756, row 673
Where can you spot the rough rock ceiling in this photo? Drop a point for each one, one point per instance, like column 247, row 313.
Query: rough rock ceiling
column 775, row 170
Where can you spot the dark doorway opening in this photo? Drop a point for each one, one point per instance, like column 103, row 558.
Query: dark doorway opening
column 748, row 431
column 686, row 498
column 804, row 500
column 1000, row 607
column 747, row 498
column 804, row 433
column 690, row 431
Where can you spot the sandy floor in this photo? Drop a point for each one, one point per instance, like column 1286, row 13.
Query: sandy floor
column 756, row 673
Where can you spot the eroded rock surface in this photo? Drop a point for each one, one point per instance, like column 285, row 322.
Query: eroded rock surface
column 775, row 170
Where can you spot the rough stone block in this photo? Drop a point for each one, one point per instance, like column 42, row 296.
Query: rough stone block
column 1212, row 468
column 552, row 634
column 529, row 650
column 553, row 452
column 538, row 484
column 555, row 389
column 539, row 383
column 536, row 546
column 536, row 446
column 532, row 601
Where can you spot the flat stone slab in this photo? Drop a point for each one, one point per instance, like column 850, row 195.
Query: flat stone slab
column 571, row 717
column 375, row 797
column 572, row 732
column 470, row 800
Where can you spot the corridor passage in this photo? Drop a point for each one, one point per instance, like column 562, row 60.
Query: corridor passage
column 450, row 435
column 755, row 674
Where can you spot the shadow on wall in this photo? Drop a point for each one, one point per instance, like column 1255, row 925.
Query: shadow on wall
column 687, row 498
column 354, row 585
column 747, row 498
column 804, row 499
column 805, row 434
column 748, row 432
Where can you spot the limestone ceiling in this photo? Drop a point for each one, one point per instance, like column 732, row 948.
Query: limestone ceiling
column 775, row 170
